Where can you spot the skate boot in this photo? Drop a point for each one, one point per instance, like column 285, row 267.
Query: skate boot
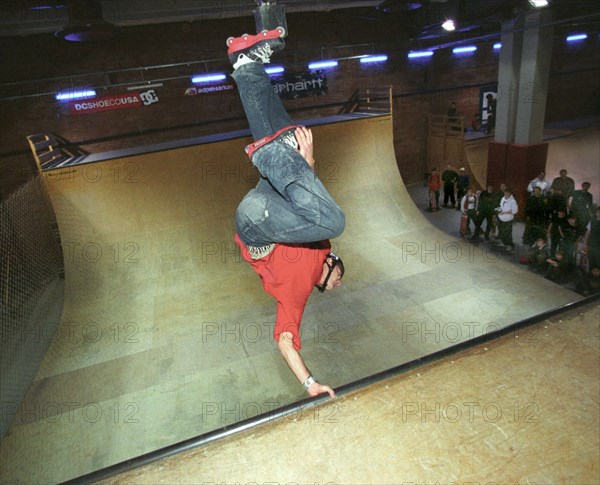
column 285, row 135
column 257, row 47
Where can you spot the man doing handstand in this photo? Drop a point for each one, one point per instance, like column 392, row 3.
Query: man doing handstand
column 283, row 224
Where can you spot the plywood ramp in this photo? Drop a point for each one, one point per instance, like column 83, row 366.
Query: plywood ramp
column 167, row 333
column 519, row 410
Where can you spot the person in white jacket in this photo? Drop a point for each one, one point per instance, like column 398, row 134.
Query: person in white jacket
column 541, row 182
column 506, row 214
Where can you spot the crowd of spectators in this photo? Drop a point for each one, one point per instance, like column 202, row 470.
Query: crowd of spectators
column 563, row 223
column 561, row 238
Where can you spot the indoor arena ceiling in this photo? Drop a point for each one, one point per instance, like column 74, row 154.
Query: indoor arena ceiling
column 419, row 20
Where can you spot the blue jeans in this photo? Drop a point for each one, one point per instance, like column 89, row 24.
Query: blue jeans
column 289, row 204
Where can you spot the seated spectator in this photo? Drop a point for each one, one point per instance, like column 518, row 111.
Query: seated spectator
column 559, row 269
column 476, row 123
column 538, row 256
column 588, row 284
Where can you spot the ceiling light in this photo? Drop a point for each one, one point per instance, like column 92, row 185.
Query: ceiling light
column 322, row 64
column 418, row 54
column 539, row 3
column 72, row 95
column 208, row 78
column 464, row 50
column 369, row 59
column 575, row 37
column 448, row 25
column 274, row 70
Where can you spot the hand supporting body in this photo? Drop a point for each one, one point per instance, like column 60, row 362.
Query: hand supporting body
column 296, row 364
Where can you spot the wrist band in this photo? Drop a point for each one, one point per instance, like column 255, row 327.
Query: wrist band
column 310, row 380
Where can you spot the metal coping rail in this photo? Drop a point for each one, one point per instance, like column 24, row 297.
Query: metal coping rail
column 307, row 403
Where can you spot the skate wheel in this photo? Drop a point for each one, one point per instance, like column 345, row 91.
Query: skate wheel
column 245, row 36
column 229, row 41
column 281, row 31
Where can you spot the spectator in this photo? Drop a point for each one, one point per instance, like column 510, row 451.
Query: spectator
column 500, row 193
column 485, row 212
column 538, row 255
column 491, row 110
column 570, row 236
column 434, row 183
column 556, row 202
column 565, row 184
column 497, row 198
column 449, row 177
column 452, row 112
column 541, row 182
column 468, row 205
column 536, row 209
column 555, row 229
column 559, row 270
column 462, row 184
column 580, row 204
column 506, row 214
column 588, row 284
column 591, row 245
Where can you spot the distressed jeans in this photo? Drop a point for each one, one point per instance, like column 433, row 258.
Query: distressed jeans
column 289, row 204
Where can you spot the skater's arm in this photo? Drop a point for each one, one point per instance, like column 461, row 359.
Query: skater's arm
column 295, row 362
column 305, row 142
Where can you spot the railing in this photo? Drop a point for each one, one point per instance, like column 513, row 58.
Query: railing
column 375, row 100
column 446, row 126
column 51, row 151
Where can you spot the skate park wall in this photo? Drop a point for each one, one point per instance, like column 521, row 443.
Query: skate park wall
column 166, row 332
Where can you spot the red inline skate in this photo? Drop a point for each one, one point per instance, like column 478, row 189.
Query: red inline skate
column 257, row 47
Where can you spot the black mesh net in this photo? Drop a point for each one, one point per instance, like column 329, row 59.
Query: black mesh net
column 32, row 291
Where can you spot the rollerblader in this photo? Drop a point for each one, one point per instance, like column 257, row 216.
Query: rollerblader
column 283, row 224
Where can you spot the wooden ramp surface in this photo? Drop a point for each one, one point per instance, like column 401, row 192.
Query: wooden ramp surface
column 166, row 332
column 522, row 409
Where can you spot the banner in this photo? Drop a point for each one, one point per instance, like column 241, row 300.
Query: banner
column 300, row 85
column 120, row 101
column 194, row 91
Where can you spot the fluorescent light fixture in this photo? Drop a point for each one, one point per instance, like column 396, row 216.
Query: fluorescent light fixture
column 417, row 54
column 208, row 78
column 464, row 50
column 538, row 3
column 274, row 70
column 72, row 95
column 576, row 37
column 497, row 46
column 448, row 25
column 369, row 59
column 322, row 64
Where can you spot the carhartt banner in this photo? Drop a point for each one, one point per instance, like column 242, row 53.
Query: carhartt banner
column 300, row 85
column 129, row 100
